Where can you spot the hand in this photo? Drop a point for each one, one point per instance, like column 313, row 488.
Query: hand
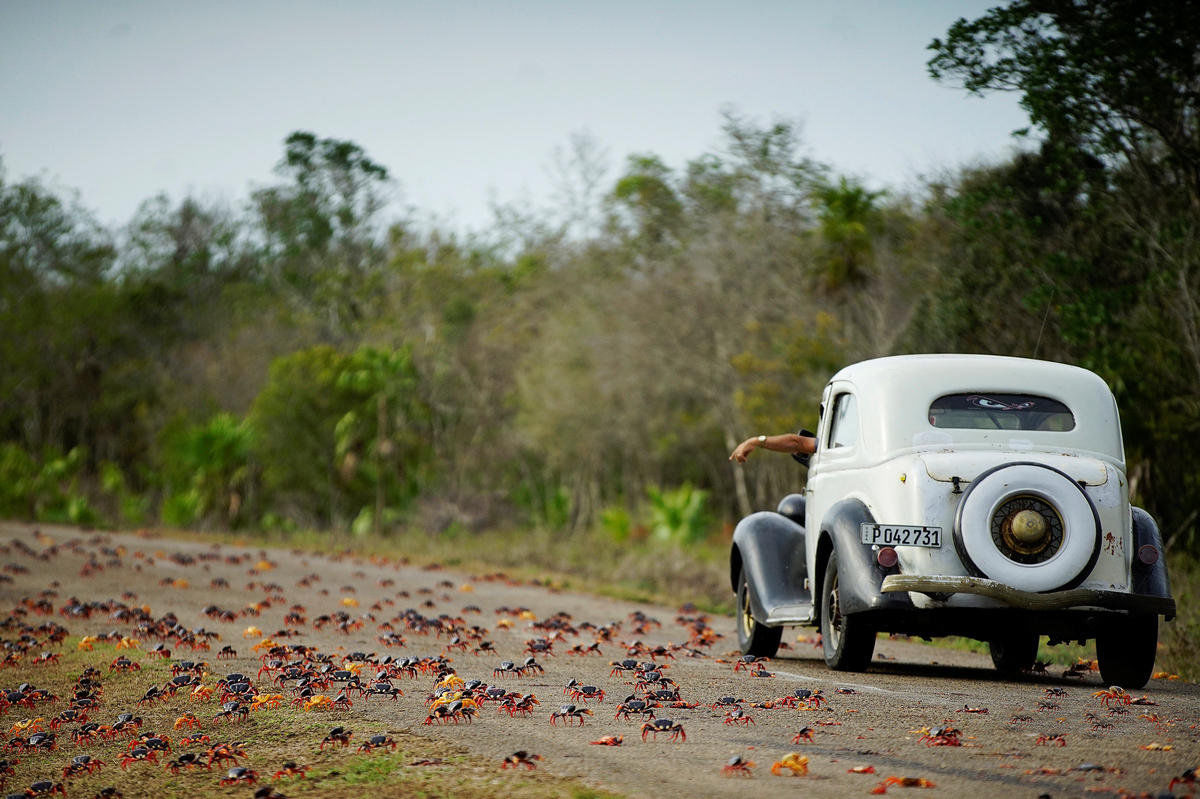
column 743, row 449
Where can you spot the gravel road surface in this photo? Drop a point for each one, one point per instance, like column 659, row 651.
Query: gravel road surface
column 872, row 719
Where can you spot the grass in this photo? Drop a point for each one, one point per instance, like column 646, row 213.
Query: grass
column 273, row 737
column 639, row 570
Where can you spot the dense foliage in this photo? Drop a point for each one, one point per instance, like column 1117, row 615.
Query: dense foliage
column 308, row 360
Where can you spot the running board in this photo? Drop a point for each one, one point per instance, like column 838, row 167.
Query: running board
column 790, row 614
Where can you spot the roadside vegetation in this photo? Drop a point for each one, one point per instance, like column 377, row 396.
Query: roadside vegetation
column 314, row 361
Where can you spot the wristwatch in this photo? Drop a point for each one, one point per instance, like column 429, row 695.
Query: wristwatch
column 762, row 439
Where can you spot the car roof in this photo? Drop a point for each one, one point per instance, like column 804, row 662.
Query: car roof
column 895, row 394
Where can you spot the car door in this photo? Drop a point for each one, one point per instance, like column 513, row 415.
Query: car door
column 831, row 474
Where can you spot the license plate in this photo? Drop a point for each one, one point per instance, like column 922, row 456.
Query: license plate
column 901, row 535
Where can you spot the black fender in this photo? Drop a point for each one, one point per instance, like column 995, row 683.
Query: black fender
column 770, row 547
column 860, row 578
column 1149, row 579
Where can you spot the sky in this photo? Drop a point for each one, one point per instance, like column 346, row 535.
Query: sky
column 465, row 102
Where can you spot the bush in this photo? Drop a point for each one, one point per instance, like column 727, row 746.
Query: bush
column 47, row 490
column 336, row 433
column 208, row 472
column 680, row 515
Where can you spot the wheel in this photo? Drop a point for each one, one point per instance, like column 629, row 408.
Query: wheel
column 754, row 638
column 848, row 641
column 1014, row 652
column 1126, row 651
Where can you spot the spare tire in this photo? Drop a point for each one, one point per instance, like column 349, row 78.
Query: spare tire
column 1029, row 526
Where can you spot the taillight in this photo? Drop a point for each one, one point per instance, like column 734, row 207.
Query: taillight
column 886, row 557
column 1148, row 554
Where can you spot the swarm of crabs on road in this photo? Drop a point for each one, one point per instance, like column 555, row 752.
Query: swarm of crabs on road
column 98, row 692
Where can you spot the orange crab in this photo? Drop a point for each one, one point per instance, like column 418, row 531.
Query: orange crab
column 187, row 720
column 318, row 702
column 794, row 762
column 609, row 740
column 201, row 693
column 904, row 782
column 252, row 632
column 1114, row 693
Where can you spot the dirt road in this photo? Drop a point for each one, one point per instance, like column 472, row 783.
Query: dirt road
column 871, row 719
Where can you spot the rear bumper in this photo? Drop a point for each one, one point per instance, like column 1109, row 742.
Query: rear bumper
column 1029, row 600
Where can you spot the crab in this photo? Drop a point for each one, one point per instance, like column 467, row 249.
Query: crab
column 609, row 740
column 82, row 764
column 794, row 762
column 748, row 661
column 46, row 657
column 1188, row 778
column 384, row 688
column 290, row 769
column 186, row 762
column 226, row 653
column 123, row 664
column 738, row 765
column 805, row 735
column 1114, row 693
column 26, row 726
column 378, row 742
column 139, row 754
column 318, row 702
column 341, row 701
column 240, row 775
column 188, row 721
column 621, row 666
column 941, row 736
column 252, row 632
column 69, row 716
column 521, row 758
column 201, row 693
column 225, row 751
column 664, row 725
column 530, row 665
column 726, row 701
column 232, row 710
column 634, row 706
column 586, row 692
column 45, row 788
column 904, row 782
column 569, row 712
column 969, row 709
column 1045, row 740
column 738, row 716
column 192, row 740
column 506, row 667
column 338, row 735
column 267, row 792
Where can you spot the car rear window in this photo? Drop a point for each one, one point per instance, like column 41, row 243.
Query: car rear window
column 990, row 411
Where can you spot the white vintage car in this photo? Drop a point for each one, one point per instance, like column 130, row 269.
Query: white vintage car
column 970, row 495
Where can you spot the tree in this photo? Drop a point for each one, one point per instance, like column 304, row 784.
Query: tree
column 1114, row 78
column 320, row 230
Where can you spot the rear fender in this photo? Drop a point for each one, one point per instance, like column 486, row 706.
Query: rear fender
column 770, row 547
column 1151, row 579
column 860, row 578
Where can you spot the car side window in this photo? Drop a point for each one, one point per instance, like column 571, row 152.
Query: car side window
column 844, row 425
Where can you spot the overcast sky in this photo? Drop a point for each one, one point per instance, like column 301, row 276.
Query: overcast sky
column 466, row 101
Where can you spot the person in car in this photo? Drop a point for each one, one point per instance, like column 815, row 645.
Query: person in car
column 798, row 445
